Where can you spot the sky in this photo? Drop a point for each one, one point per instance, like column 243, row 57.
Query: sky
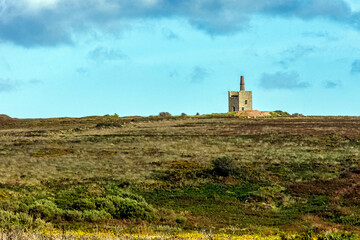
column 75, row 58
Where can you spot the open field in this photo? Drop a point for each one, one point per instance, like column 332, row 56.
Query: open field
column 212, row 174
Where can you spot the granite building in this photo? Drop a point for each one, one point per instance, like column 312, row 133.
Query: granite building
column 240, row 100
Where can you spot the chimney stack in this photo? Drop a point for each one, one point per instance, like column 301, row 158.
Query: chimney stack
column 242, row 84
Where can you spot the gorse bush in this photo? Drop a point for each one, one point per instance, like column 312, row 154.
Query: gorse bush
column 76, row 205
column 126, row 208
column 45, row 209
column 96, row 215
column 224, row 166
column 10, row 219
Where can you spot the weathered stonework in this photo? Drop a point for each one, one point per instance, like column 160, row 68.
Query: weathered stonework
column 240, row 100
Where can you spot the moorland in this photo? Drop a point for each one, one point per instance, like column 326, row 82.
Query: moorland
column 283, row 176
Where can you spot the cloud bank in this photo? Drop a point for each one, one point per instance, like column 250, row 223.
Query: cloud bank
column 6, row 85
column 103, row 54
column 355, row 66
column 282, row 80
column 198, row 74
column 331, row 84
column 51, row 22
column 293, row 54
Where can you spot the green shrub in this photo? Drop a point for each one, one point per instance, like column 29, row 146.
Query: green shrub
column 116, row 191
column 73, row 215
column 95, row 215
column 24, row 219
column 348, row 220
column 45, row 209
column 8, row 219
column 105, row 204
column 224, row 166
column 164, row 114
column 9, row 205
column 317, row 204
column 65, row 199
column 126, row 208
column 83, row 204
column 40, row 224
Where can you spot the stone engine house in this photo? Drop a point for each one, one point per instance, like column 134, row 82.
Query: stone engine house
column 240, row 100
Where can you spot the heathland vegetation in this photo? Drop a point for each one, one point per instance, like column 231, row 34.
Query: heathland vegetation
column 218, row 175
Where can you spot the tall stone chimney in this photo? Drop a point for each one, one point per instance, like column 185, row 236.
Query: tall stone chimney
column 242, row 84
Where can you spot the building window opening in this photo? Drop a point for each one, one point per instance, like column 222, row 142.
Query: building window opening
column 233, row 109
column 245, row 101
column 243, row 109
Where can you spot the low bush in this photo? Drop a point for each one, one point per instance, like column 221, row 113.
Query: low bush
column 75, row 205
column 126, row 208
column 164, row 114
column 348, row 220
column 10, row 220
column 95, row 215
column 45, row 209
column 224, row 166
column 73, row 215
column 83, row 204
column 279, row 113
column 103, row 203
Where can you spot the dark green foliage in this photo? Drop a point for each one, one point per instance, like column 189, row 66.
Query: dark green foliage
column 316, row 204
column 348, row 220
column 10, row 219
column 105, row 203
column 126, row 208
column 76, row 205
column 83, row 204
column 73, row 215
column 96, row 215
column 224, row 166
column 45, row 209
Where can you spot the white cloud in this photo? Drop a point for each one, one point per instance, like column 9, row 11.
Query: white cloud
column 10, row 9
column 38, row 5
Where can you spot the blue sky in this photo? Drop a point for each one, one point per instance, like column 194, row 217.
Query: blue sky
column 141, row 57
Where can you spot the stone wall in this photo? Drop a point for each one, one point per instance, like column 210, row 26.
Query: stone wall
column 233, row 101
column 245, row 96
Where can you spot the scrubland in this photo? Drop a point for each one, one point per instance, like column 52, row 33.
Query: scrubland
column 213, row 176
